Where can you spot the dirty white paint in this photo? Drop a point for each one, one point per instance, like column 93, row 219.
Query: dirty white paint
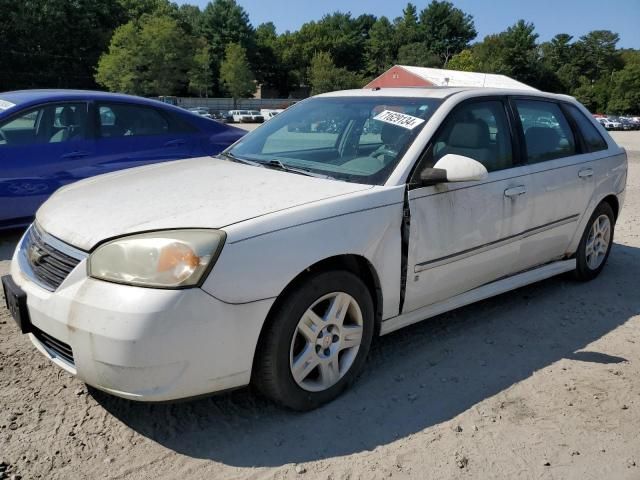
column 463, row 236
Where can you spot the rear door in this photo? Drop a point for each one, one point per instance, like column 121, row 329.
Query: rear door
column 131, row 135
column 463, row 235
column 41, row 149
column 562, row 180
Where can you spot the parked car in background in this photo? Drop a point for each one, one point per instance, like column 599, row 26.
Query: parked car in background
column 221, row 116
column 240, row 116
column 202, row 111
column 269, row 113
column 609, row 123
column 49, row 138
column 256, row 116
column 626, row 124
column 278, row 261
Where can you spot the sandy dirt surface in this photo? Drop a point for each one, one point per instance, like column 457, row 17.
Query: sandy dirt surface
column 542, row 382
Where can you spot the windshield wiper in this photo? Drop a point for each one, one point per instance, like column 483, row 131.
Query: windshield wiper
column 278, row 165
column 234, row 158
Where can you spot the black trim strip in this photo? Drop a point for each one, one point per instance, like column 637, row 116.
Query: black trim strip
column 527, row 174
column 508, row 239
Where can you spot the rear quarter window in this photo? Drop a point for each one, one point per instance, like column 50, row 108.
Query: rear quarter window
column 592, row 138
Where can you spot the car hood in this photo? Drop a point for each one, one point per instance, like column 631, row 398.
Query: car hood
column 202, row 192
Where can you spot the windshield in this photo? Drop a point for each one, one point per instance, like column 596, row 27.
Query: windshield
column 356, row 139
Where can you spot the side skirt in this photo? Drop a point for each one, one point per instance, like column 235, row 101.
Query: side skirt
column 477, row 294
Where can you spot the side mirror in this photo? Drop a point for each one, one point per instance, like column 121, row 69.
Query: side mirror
column 454, row 168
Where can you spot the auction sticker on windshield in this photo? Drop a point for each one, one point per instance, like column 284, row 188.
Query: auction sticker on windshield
column 4, row 104
column 399, row 119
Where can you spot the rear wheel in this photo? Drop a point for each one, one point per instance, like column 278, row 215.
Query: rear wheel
column 595, row 244
column 316, row 342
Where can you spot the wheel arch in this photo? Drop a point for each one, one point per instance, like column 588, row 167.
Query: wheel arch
column 353, row 263
column 613, row 202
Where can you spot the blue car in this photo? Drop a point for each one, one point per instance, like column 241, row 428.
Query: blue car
column 49, row 138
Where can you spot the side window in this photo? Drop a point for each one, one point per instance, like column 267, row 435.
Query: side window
column 547, row 133
column 22, row 129
column 478, row 130
column 122, row 120
column 48, row 124
column 371, row 133
column 69, row 122
column 589, row 132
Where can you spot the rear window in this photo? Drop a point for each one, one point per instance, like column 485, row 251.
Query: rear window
column 124, row 120
column 592, row 138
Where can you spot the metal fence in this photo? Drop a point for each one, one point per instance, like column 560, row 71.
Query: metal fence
column 227, row 103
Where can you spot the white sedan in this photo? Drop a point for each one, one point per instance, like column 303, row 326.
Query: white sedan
column 347, row 216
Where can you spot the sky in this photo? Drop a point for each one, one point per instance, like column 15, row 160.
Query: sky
column 575, row 17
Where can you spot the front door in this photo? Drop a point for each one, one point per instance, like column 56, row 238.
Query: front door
column 463, row 235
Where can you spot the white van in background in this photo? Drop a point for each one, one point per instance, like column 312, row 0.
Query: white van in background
column 269, row 113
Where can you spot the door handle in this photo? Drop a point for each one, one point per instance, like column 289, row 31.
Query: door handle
column 585, row 173
column 174, row 143
column 515, row 191
column 76, row 154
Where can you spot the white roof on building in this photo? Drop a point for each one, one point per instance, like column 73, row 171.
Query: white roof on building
column 455, row 78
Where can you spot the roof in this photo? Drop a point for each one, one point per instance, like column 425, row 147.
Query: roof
column 456, row 78
column 24, row 97
column 442, row 92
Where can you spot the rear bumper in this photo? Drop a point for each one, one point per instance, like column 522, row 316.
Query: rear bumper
column 142, row 343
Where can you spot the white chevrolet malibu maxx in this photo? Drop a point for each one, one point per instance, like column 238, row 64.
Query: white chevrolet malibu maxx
column 347, row 216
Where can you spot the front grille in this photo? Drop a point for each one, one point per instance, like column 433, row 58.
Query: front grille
column 49, row 265
column 54, row 346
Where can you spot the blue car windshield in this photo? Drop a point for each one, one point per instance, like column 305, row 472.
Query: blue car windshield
column 355, row 139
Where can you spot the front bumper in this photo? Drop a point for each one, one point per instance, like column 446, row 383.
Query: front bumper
column 142, row 343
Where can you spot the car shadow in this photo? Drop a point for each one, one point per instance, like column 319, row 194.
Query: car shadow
column 415, row 378
column 8, row 241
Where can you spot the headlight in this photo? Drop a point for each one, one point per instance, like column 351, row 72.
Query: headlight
column 164, row 259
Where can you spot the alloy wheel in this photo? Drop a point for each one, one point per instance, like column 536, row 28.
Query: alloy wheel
column 326, row 341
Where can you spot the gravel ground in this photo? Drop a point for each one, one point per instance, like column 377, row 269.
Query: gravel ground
column 542, row 382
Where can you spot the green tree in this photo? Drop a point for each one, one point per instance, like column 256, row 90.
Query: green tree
column 54, row 43
column 593, row 94
column 447, row 30
column 558, row 66
column 190, row 18
column 464, row 61
column 224, row 22
column 235, row 73
column 135, row 9
column 513, row 52
column 407, row 29
column 596, row 54
column 625, row 90
column 418, row 55
column 200, row 75
column 324, row 76
column 380, row 49
column 150, row 57
column 520, row 53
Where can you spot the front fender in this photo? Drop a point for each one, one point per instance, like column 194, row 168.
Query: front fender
column 255, row 266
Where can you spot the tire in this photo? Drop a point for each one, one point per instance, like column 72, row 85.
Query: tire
column 589, row 263
column 304, row 359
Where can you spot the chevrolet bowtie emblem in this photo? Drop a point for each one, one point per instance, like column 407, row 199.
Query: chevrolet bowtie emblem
column 36, row 254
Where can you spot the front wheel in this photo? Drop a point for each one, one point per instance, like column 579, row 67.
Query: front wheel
column 595, row 244
column 316, row 342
